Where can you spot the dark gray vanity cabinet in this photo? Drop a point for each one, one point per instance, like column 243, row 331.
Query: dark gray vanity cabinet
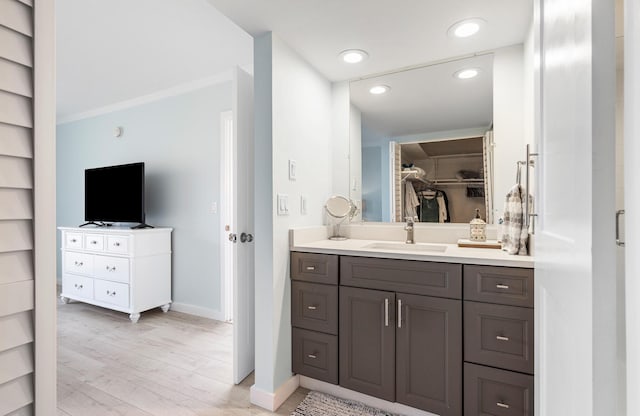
column 498, row 341
column 402, row 347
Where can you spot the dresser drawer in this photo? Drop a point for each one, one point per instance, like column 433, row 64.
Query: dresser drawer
column 111, row 268
column 405, row 276
column 318, row 268
column 315, row 355
column 94, row 242
column 502, row 285
column 73, row 240
column 111, row 292
column 118, row 244
column 499, row 336
column 77, row 286
column 314, row 307
column 492, row 392
column 78, row 263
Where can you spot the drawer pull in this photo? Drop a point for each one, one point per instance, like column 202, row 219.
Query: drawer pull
column 94, row 242
column 312, row 356
column 117, row 244
column 73, row 240
column 501, row 338
column 111, row 293
column 312, row 308
column 311, row 268
column 77, row 286
column 111, row 269
column 501, row 286
column 78, row 263
column 503, row 405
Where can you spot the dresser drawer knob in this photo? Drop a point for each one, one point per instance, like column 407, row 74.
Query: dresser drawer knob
column 501, row 286
column 111, row 293
column 312, row 308
column 311, row 268
column 94, row 242
column 503, row 405
column 111, row 269
column 312, row 356
column 78, row 263
column 117, row 244
column 73, row 240
column 77, row 286
column 501, row 338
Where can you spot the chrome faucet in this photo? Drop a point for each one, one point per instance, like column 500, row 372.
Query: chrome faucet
column 409, row 229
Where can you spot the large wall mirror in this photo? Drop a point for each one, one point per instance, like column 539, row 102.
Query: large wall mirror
column 441, row 140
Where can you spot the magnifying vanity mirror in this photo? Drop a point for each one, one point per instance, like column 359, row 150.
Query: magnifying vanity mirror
column 340, row 208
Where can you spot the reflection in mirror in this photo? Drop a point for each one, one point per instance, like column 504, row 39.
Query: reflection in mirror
column 427, row 142
column 339, row 208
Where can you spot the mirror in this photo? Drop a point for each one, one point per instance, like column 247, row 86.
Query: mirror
column 452, row 134
column 339, row 208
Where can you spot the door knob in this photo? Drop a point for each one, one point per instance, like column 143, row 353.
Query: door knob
column 233, row 238
column 246, row 238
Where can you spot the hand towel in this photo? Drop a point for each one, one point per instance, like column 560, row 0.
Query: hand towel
column 515, row 234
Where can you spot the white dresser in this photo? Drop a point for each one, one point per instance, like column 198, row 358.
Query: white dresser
column 117, row 268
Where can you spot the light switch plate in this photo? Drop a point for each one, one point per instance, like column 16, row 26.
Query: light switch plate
column 292, row 170
column 283, row 204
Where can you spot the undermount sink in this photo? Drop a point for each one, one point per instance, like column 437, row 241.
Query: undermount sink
column 408, row 247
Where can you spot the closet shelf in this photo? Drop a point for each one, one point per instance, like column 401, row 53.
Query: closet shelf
column 456, row 181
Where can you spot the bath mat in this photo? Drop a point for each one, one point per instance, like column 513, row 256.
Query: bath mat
column 321, row 404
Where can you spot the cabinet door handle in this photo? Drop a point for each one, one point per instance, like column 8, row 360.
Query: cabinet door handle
column 399, row 313
column 618, row 240
column 503, row 405
column 312, row 308
column 311, row 268
column 386, row 312
column 501, row 338
column 501, row 286
column 312, row 356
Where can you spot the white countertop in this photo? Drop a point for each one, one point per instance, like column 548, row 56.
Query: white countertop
column 452, row 254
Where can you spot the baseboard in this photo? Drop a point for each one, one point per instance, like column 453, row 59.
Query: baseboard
column 272, row 401
column 321, row 386
column 197, row 311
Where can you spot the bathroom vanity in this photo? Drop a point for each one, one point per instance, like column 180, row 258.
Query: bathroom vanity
column 433, row 327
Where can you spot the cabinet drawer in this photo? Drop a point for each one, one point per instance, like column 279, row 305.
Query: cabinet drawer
column 94, row 242
column 111, row 268
column 117, row 244
column 315, row 355
column 73, row 240
column 502, row 285
column 112, row 292
column 315, row 307
column 489, row 391
column 319, row 268
column 406, row 276
column 78, row 263
column 77, row 286
column 499, row 336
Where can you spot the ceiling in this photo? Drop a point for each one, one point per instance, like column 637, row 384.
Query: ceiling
column 396, row 34
column 428, row 99
column 116, row 50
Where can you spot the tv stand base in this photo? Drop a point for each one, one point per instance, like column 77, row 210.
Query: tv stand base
column 141, row 226
column 98, row 224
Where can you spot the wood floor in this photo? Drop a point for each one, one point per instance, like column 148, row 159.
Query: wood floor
column 170, row 364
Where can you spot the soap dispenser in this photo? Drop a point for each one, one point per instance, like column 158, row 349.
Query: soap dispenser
column 477, row 228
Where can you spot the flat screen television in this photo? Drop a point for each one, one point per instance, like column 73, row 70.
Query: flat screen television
column 114, row 194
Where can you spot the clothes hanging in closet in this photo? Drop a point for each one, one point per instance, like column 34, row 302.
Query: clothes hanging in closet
column 434, row 206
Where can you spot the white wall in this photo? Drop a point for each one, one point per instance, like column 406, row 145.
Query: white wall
column 293, row 121
column 508, row 120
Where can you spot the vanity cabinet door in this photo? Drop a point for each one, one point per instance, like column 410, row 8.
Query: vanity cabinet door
column 367, row 342
column 429, row 353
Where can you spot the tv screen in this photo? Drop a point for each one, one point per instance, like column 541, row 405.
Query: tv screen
column 114, row 193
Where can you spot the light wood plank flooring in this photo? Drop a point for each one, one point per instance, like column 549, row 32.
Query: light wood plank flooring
column 170, row 364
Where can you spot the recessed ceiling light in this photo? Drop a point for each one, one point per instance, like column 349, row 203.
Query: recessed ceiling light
column 353, row 56
column 379, row 89
column 466, row 28
column 467, row 73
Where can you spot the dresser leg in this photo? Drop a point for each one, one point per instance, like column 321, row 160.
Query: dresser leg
column 165, row 307
column 64, row 299
column 134, row 317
